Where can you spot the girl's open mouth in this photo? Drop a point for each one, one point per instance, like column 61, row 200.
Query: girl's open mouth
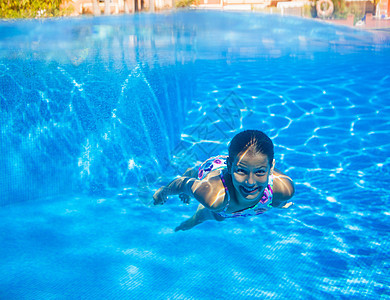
column 249, row 190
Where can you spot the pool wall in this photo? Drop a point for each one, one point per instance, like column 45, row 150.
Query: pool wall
column 90, row 104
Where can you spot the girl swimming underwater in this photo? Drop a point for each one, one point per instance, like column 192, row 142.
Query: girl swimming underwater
column 245, row 183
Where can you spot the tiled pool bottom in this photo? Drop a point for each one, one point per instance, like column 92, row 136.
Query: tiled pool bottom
column 95, row 248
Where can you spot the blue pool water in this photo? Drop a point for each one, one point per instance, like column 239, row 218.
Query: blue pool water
column 97, row 113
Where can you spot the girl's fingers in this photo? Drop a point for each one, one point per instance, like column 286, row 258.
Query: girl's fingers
column 185, row 198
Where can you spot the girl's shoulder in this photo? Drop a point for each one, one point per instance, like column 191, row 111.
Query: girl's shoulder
column 283, row 186
column 210, row 191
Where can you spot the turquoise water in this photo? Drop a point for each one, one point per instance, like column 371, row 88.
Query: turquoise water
column 97, row 113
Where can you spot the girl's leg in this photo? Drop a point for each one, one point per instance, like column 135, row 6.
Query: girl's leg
column 202, row 214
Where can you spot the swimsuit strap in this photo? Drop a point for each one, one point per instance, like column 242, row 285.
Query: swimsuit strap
column 219, row 163
column 226, row 190
column 211, row 164
column 254, row 210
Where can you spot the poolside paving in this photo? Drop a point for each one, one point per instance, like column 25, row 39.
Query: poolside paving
column 370, row 22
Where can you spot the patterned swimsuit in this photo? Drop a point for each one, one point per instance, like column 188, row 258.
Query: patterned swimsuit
column 219, row 163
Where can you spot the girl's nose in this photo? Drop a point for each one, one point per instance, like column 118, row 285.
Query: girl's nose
column 250, row 179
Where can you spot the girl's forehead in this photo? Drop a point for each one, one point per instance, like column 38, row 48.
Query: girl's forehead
column 251, row 158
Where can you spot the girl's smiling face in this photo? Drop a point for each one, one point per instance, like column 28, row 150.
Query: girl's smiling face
column 250, row 172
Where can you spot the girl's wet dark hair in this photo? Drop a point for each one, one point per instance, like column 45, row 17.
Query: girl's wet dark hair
column 248, row 138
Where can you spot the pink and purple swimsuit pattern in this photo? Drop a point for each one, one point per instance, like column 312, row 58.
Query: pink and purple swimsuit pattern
column 219, row 163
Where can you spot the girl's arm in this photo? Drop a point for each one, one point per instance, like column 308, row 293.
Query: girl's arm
column 181, row 185
column 210, row 191
column 283, row 190
column 176, row 187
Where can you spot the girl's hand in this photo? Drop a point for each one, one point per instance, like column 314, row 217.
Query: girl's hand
column 160, row 196
column 185, row 198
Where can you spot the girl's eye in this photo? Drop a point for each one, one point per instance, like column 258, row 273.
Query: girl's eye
column 260, row 173
column 241, row 171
